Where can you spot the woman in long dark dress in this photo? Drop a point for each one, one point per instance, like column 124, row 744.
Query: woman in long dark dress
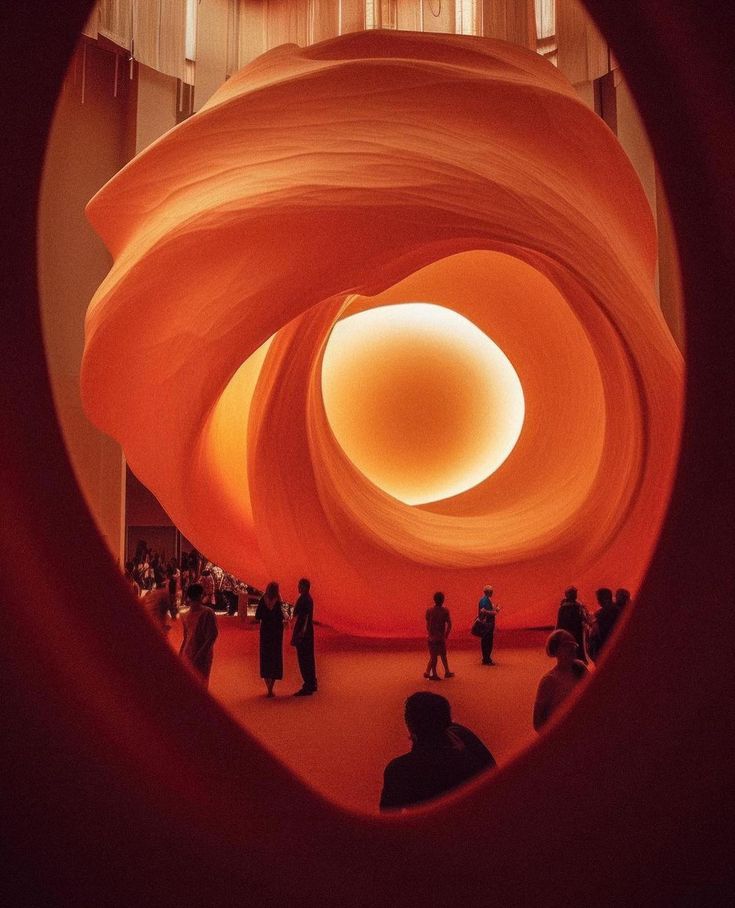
column 270, row 615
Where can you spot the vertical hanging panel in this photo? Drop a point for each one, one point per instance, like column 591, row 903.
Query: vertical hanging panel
column 325, row 16
column 233, row 37
column 545, row 18
column 91, row 26
column 388, row 14
column 468, row 17
column 116, row 21
column 408, row 14
column 211, row 67
column 251, row 28
column 353, row 16
column 510, row 20
column 147, row 32
column 172, row 41
column 287, row 22
column 583, row 54
column 439, row 16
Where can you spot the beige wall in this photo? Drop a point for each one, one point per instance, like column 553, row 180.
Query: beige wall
column 156, row 109
column 102, row 119
column 90, row 141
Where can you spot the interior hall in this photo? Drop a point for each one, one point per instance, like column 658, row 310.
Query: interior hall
column 367, row 407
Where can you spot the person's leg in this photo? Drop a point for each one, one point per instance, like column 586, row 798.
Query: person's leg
column 428, row 667
column 447, row 673
column 489, row 637
column 269, row 682
column 485, row 649
column 433, row 674
column 309, row 665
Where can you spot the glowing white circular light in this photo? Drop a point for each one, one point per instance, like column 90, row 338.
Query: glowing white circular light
column 423, row 403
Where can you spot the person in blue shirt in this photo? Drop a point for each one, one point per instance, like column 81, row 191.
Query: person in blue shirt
column 487, row 612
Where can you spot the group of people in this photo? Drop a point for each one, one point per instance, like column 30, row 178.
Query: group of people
column 439, row 626
column 443, row 754
column 273, row 616
column 591, row 630
column 163, row 584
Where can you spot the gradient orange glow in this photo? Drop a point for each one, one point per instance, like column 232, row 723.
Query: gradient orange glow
column 422, row 402
column 252, row 233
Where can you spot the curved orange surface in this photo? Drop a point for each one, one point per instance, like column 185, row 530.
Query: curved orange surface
column 123, row 782
column 366, row 171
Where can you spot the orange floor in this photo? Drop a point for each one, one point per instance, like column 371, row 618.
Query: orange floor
column 355, row 719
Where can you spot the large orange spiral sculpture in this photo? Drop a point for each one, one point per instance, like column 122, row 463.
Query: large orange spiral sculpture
column 252, row 351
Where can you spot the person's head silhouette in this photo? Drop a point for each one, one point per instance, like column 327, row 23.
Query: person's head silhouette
column 427, row 717
column 604, row 597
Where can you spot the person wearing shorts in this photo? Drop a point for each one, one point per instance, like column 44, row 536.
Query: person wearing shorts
column 438, row 626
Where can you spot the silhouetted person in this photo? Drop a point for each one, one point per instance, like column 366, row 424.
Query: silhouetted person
column 200, row 632
column 438, row 626
column 270, row 615
column 487, row 612
column 443, row 755
column 556, row 685
column 573, row 617
column 303, row 638
column 604, row 621
column 130, row 577
column 622, row 598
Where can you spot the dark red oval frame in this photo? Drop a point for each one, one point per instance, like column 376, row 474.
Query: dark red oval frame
column 122, row 787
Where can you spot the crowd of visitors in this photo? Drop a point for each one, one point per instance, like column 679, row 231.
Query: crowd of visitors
column 443, row 754
column 163, row 583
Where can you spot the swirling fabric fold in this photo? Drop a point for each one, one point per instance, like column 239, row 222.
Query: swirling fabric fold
column 366, row 171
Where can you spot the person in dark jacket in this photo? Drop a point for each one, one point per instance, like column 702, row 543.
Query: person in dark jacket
column 622, row 598
column 573, row 617
column 303, row 638
column 603, row 622
column 443, row 755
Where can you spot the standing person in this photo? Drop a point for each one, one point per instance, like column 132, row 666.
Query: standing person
column 270, row 615
column 229, row 592
column 603, row 622
column 200, row 632
column 573, row 617
column 130, row 577
column 172, row 583
column 487, row 611
column 303, row 638
column 438, row 626
column 556, row 685
column 207, row 582
column 622, row 598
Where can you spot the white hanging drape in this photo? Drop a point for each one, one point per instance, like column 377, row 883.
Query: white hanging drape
column 116, row 21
